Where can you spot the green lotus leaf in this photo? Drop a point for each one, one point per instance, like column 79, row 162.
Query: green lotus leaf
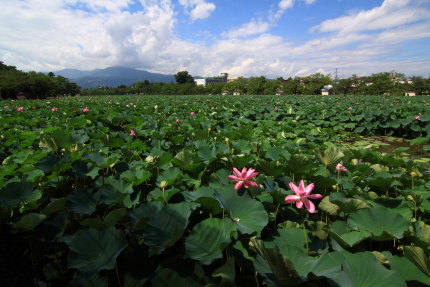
column 382, row 223
column 205, row 197
column 169, row 176
column 226, row 273
column 329, row 207
column 208, row 239
column 299, row 164
column 186, row 160
column 136, row 175
column 346, row 237
column 84, row 169
column 349, row 205
column 330, row 155
column 418, row 257
column 93, row 250
column 28, row 222
column 329, row 265
column 270, row 168
column 33, row 175
column 62, row 138
column 220, row 178
column 275, row 267
column 116, row 185
column 408, row 270
column 113, row 217
column 421, row 234
column 98, row 158
column 290, row 237
column 82, row 201
column 275, row 153
column 160, row 195
column 165, row 223
column 52, row 163
column 13, row 193
column 56, row 204
column 248, row 213
column 207, row 154
column 362, row 269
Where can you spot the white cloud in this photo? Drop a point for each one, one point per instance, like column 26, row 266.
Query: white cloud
column 391, row 13
column 259, row 26
column 284, row 5
column 198, row 9
column 248, row 29
column 49, row 35
column 56, row 36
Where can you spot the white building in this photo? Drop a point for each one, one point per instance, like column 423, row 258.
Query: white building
column 200, row 82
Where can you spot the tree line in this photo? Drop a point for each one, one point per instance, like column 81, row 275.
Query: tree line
column 39, row 85
column 376, row 84
column 33, row 85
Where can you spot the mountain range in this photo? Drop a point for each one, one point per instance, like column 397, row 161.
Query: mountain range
column 112, row 77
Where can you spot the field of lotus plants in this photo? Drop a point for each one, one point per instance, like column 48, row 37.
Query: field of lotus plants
column 215, row 191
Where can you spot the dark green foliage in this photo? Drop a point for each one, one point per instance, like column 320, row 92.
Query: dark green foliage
column 84, row 202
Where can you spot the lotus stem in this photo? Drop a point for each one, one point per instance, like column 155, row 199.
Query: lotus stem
column 164, row 198
column 256, row 279
column 306, row 239
column 32, row 262
column 117, row 275
column 276, row 212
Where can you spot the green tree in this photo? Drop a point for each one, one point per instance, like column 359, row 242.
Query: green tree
column 290, row 86
column 183, row 77
column 238, row 85
column 314, row 83
column 344, row 86
column 377, row 84
column 256, row 85
column 420, row 85
column 214, row 88
column 12, row 81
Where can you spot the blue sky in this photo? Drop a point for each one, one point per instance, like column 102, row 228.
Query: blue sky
column 206, row 37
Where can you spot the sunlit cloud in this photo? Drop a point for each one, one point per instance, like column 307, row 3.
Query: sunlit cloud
column 198, row 9
column 52, row 35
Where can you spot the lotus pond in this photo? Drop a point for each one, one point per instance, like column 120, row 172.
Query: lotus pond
column 215, row 191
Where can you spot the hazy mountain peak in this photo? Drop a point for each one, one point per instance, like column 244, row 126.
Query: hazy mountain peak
column 112, row 76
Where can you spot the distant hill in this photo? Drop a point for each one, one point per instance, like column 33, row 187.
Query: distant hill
column 112, row 77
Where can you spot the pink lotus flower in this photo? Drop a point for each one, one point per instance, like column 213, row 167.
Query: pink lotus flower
column 85, row 110
column 350, row 108
column 192, row 113
column 6, row 107
column 20, row 109
column 302, row 194
column 340, row 167
column 132, row 133
column 243, row 177
column 178, row 121
column 276, row 109
column 54, row 109
column 418, row 118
